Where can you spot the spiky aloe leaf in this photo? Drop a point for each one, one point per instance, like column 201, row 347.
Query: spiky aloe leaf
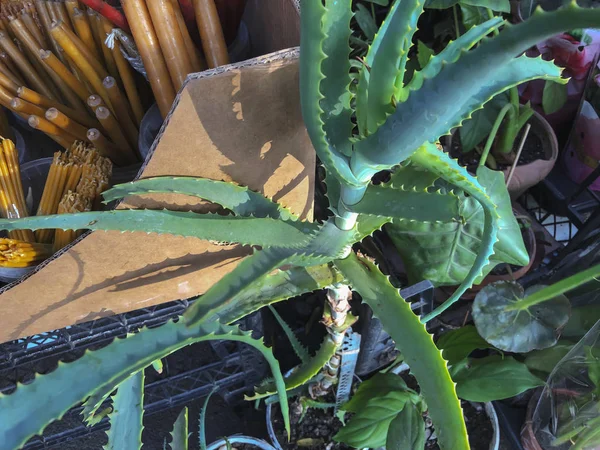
column 126, row 419
column 387, row 58
column 302, row 373
column 444, row 252
column 415, row 344
column 335, row 87
column 239, row 199
column 231, row 229
column 297, row 346
column 451, row 53
column 410, row 176
column 26, row 412
column 179, row 435
column 312, row 39
column 435, row 160
column 220, row 296
column 278, row 286
column 413, row 204
column 464, row 86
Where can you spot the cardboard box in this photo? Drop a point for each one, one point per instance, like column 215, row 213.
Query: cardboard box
column 240, row 123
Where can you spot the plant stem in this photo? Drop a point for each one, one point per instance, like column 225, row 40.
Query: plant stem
column 349, row 196
column 493, row 133
column 556, row 289
column 456, row 25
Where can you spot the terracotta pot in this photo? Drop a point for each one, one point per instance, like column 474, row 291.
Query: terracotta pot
column 529, row 175
column 530, row 244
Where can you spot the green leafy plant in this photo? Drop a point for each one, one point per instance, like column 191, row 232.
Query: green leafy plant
column 397, row 124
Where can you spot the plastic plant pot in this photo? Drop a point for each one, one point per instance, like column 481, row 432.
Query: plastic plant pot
column 247, row 440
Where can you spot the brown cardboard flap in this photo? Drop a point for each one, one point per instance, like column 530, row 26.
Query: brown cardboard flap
column 241, row 123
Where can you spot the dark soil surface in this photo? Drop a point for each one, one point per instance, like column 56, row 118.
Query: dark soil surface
column 479, row 428
column 315, row 431
column 532, row 151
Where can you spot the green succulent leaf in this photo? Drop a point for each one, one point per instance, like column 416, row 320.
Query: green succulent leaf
column 214, row 227
column 25, row 413
column 239, row 199
column 312, row 57
column 126, row 418
column 453, row 51
column 467, row 84
column 415, row 344
column 424, row 53
column 202, row 421
column 387, row 58
column 335, row 87
column 179, row 435
column 494, row 378
column 277, row 286
column 457, row 344
column 440, row 4
column 297, row 346
column 366, row 22
column 554, row 97
column 518, row 331
column 407, row 430
column 395, row 202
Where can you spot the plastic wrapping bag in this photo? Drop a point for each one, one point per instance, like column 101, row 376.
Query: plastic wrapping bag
column 567, row 414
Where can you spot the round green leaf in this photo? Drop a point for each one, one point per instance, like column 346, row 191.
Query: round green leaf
column 518, row 331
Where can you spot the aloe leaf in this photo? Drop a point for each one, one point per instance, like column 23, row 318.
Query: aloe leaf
column 202, row 421
column 415, row 344
column 467, row 85
column 231, row 229
column 435, row 160
column 387, row 58
column 25, row 413
column 221, row 295
column 179, row 435
column 452, row 52
column 126, row 419
column 239, row 199
column 335, row 87
column 297, row 346
column 278, row 286
column 411, row 176
column 395, row 202
column 302, row 373
column 312, row 39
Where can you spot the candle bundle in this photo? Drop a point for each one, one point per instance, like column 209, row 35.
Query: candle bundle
column 15, row 253
column 73, row 171
column 12, row 198
column 52, row 58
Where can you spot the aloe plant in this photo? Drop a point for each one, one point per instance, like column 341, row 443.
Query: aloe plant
column 399, row 124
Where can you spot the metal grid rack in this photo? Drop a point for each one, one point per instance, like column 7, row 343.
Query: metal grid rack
column 233, row 367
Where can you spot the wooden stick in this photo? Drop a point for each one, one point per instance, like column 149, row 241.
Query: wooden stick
column 24, row 107
column 65, row 74
column 126, row 72
column 8, row 83
column 24, row 66
column 196, row 58
column 171, row 40
column 62, row 15
column 108, row 149
column 211, row 33
column 145, row 37
column 83, row 49
column 516, row 161
column 65, row 41
column 114, row 131
column 122, row 111
column 61, row 136
column 66, row 123
column 84, row 31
